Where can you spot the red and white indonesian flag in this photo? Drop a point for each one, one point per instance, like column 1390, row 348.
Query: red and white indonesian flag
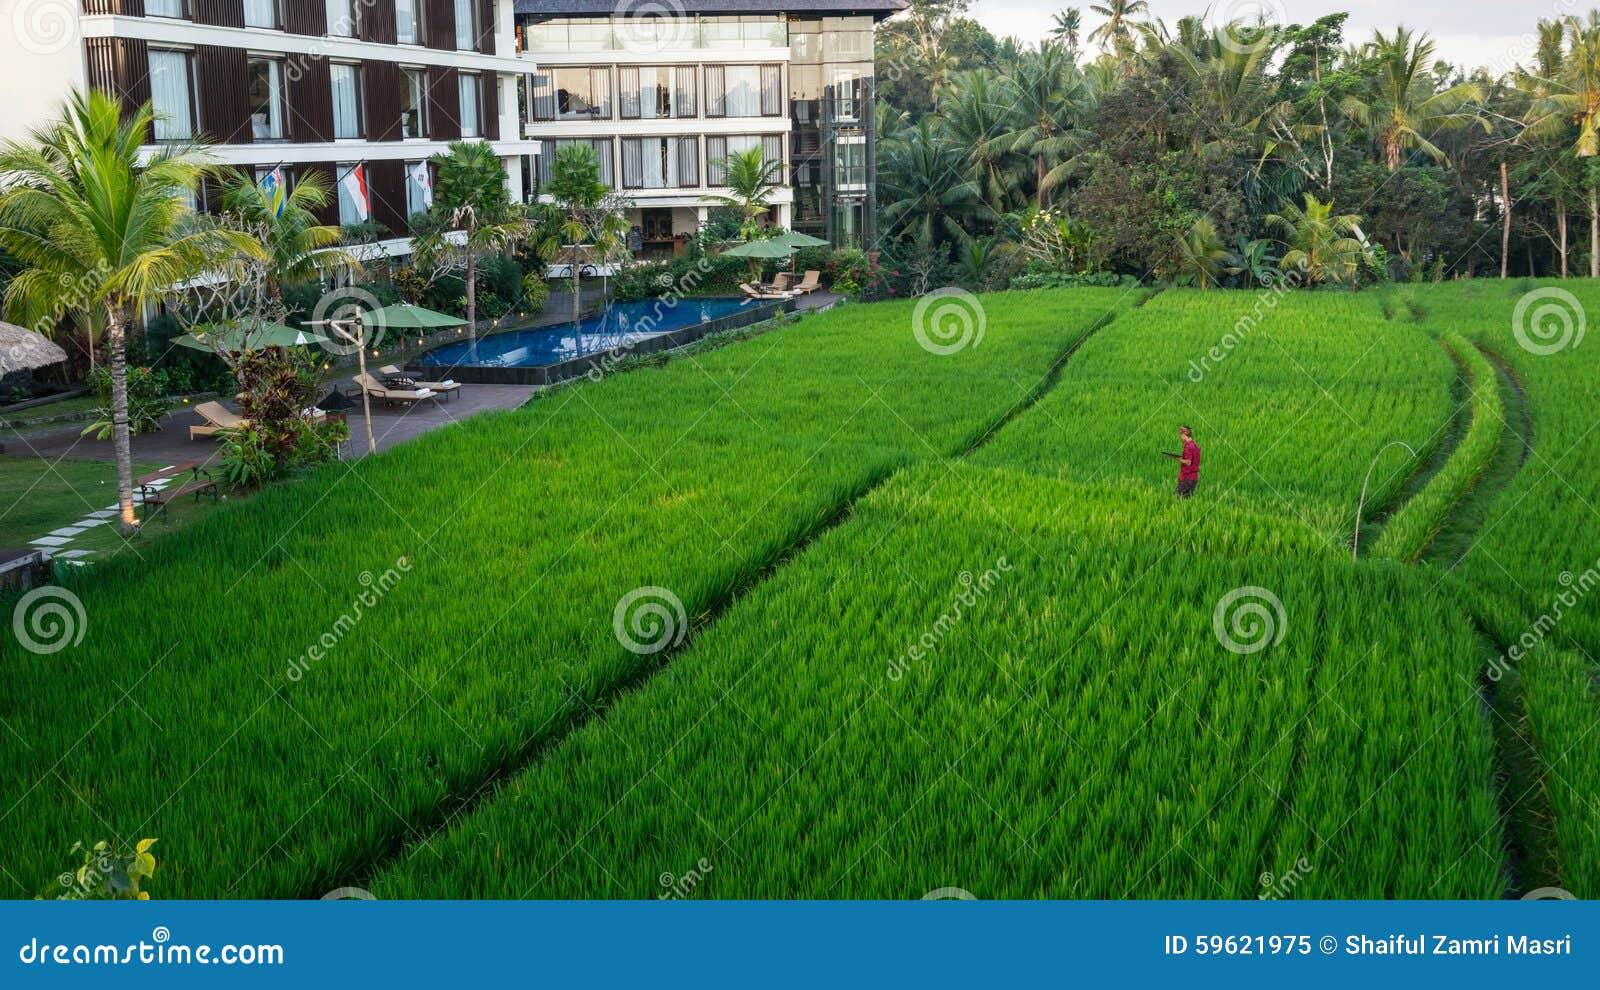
column 424, row 181
column 355, row 184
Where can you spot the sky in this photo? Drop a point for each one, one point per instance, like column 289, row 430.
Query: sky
column 1477, row 32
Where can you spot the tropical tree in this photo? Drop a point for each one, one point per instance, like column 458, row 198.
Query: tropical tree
column 589, row 217
column 1403, row 109
column 472, row 216
column 925, row 192
column 1201, row 254
column 295, row 247
column 99, row 225
column 1319, row 243
column 1049, row 100
column 750, row 179
column 1068, row 27
column 1571, row 95
column 1122, row 16
column 978, row 121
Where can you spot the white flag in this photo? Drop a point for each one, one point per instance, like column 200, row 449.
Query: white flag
column 419, row 175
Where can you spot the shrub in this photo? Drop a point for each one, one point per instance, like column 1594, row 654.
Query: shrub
column 535, row 293
column 108, row 875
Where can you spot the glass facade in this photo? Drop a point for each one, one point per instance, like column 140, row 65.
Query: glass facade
column 655, row 34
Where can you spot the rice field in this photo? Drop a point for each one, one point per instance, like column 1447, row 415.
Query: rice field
column 943, row 625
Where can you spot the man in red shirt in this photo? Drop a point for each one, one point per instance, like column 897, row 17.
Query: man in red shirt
column 1188, row 463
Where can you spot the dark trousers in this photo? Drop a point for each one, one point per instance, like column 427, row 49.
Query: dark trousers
column 1186, row 486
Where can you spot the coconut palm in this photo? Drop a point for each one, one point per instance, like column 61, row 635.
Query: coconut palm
column 471, row 201
column 1068, row 27
column 297, row 248
column 1201, row 254
column 750, row 178
column 925, row 194
column 1403, row 109
column 100, row 226
column 1121, row 20
column 1049, row 99
column 1569, row 95
column 978, row 120
column 1318, row 243
column 588, row 218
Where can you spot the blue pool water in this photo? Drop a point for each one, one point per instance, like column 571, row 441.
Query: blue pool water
column 621, row 324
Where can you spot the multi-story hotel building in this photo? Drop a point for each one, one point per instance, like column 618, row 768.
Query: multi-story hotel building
column 664, row 99
column 291, row 84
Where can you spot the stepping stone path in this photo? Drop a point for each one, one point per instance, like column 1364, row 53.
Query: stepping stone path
column 58, row 540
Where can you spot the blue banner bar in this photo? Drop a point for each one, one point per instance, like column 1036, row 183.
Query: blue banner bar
column 744, row 944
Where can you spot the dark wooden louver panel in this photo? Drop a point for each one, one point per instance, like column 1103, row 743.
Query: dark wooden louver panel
column 220, row 13
column 310, row 99
column 127, row 8
column 121, row 67
column 486, row 26
column 377, row 22
column 444, row 103
column 439, row 24
column 223, row 83
column 386, row 188
column 328, row 213
column 305, row 17
column 382, row 80
column 491, row 106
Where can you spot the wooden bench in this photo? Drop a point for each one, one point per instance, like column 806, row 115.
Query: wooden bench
column 200, row 483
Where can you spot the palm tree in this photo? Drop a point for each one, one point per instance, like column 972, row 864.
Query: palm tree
column 1201, row 254
column 1404, row 110
column 1069, row 24
column 1571, row 95
column 297, row 248
column 470, row 198
column 1048, row 96
column 100, row 226
column 978, row 120
column 587, row 219
column 924, row 194
column 1318, row 243
column 750, row 178
column 1120, row 18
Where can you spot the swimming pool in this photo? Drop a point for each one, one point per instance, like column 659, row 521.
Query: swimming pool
column 621, row 324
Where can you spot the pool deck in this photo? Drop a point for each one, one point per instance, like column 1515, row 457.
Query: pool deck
column 390, row 426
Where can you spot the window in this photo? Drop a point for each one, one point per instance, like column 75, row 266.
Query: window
column 166, row 8
column 347, row 100
column 846, row 96
column 467, row 25
column 343, row 18
column 417, row 194
column 576, row 93
column 413, row 103
column 471, row 88
column 849, row 222
column 266, row 98
column 172, row 93
column 408, row 21
column 654, row 92
column 349, row 209
column 743, row 91
column 659, row 163
column 850, row 162
column 261, row 14
column 548, row 150
column 719, row 147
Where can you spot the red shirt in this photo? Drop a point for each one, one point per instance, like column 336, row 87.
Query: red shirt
column 1191, row 470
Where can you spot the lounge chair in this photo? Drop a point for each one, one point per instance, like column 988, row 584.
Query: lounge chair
column 783, row 282
column 217, row 418
column 811, row 283
column 378, row 390
column 756, row 292
column 447, row 387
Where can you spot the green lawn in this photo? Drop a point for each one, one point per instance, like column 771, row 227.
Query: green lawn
column 37, row 496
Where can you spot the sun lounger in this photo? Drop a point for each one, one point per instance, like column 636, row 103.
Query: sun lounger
column 217, row 418
column 755, row 292
column 446, row 387
column 384, row 393
column 811, row 283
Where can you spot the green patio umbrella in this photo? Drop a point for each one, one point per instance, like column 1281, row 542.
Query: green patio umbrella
column 798, row 240
column 404, row 316
column 756, row 250
column 240, row 339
